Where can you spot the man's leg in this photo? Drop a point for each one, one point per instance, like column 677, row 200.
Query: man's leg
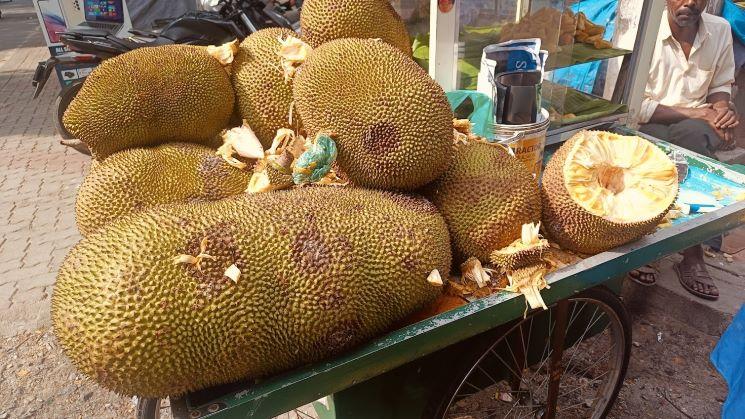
column 698, row 136
column 659, row 131
column 695, row 135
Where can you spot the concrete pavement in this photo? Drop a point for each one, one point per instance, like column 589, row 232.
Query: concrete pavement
column 38, row 177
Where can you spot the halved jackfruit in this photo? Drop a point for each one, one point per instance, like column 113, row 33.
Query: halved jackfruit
column 601, row 190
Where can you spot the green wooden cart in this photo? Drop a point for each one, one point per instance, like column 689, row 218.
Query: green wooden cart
column 487, row 358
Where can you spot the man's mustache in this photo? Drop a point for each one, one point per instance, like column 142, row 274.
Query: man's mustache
column 689, row 11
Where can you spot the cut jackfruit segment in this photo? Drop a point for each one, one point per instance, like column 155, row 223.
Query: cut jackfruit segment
column 529, row 281
column 233, row 273
column 473, row 270
column 224, row 53
column 529, row 233
column 434, row 278
column 527, row 250
column 242, row 141
column 292, row 53
column 623, row 179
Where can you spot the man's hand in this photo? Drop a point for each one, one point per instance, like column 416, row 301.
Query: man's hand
column 722, row 121
column 725, row 117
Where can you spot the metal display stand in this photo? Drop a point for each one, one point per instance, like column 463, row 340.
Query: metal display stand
column 629, row 88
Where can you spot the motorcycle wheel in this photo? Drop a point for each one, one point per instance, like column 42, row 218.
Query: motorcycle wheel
column 60, row 104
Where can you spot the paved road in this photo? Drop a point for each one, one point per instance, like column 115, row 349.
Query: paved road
column 38, row 178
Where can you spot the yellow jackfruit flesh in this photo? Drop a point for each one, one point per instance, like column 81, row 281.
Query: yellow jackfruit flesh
column 187, row 296
column 601, row 190
column 324, row 20
column 485, row 196
column 150, row 96
column 264, row 97
column 139, row 178
column 391, row 122
column 529, row 281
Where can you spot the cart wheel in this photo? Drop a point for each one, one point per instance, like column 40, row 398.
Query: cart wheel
column 568, row 361
column 153, row 409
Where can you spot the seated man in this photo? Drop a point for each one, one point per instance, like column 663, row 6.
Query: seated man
column 687, row 102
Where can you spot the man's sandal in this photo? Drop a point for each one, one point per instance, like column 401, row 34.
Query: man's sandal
column 696, row 276
column 645, row 276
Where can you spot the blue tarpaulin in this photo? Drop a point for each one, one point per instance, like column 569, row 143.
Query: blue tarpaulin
column 735, row 15
column 582, row 76
column 729, row 359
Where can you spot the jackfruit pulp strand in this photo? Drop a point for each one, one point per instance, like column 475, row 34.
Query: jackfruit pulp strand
column 529, row 238
column 624, row 179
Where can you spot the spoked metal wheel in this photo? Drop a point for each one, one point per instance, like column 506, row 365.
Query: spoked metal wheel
column 568, row 361
column 153, row 409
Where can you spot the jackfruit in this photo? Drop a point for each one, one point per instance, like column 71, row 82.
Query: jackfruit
column 391, row 122
column 601, row 190
column 485, row 196
column 139, row 178
column 322, row 21
column 188, row 296
column 150, row 96
column 264, row 97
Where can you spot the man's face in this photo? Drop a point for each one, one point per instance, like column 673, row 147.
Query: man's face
column 686, row 12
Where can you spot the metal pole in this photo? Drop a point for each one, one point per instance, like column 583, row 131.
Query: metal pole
column 646, row 40
column 443, row 45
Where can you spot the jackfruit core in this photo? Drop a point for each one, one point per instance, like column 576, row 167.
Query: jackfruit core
column 622, row 179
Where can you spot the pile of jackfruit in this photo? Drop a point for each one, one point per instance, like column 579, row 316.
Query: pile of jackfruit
column 256, row 207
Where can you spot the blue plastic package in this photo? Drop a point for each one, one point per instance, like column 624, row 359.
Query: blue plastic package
column 315, row 162
column 728, row 358
column 482, row 117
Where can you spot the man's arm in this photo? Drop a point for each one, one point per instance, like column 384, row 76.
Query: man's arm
column 671, row 114
column 721, row 86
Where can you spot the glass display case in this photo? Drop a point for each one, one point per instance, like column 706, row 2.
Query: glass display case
column 594, row 48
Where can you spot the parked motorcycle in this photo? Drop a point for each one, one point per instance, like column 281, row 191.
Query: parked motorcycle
column 233, row 19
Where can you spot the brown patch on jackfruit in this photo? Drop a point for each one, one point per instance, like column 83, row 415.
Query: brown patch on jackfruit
column 212, row 172
column 309, row 250
column 381, row 138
